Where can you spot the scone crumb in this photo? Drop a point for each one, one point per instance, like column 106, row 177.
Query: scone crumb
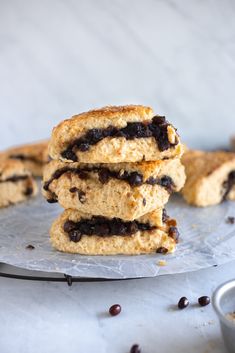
column 231, row 317
column 162, row 263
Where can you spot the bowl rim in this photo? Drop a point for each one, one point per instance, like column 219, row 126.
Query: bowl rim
column 216, row 297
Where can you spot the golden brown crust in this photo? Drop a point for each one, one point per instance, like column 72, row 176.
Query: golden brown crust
column 10, row 168
column 111, row 149
column 139, row 243
column 33, row 155
column 115, row 198
column 206, row 175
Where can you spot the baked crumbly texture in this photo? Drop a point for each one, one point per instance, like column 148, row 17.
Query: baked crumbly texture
column 16, row 183
column 210, row 177
column 95, row 136
column 160, row 240
column 125, row 190
column 34, row 156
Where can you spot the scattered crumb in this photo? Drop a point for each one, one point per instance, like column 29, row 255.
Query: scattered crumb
column 30, row 247
column 194, row 225
column 162, row 263
column 230, row 220
column 206, row 323
column 231, row 317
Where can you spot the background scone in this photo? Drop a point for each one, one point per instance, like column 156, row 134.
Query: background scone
column 124, row 190
column 113, row 135
column 16, row 183
column 76, row 232
column 34, row 156
column 210, row 177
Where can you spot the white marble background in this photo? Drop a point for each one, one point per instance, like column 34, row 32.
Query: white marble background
column 58, row 58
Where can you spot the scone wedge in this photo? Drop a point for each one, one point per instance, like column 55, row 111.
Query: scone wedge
column 34, row 156
column 210, row 177
column 123, row 190
column 80, row 233
column 115, row 134
column 16, row 183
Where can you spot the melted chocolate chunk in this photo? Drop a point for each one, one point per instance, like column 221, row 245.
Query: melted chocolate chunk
column 133, row 178
column 82, row 196
column 228, row 184
column 23, row 157
column 156, row 128
column 15, row 178
column 103, row 227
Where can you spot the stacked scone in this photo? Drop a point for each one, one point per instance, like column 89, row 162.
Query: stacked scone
column 113, row 171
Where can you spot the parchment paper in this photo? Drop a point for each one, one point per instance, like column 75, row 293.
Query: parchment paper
column 206, row 240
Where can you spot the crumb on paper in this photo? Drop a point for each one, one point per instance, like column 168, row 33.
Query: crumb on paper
column 194, row 225
column 231, row 317
column 162, row 263
column 230, row 220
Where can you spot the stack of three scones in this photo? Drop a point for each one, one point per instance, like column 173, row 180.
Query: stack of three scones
column 113, row 170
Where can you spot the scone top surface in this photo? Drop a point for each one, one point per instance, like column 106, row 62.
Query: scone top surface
column 97, row 136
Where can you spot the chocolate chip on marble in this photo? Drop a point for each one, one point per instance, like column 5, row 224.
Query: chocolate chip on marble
column 115, row 309
column 204, row 300
column 135, row 349
column 230, row 220
column 30, row 247
column 183, row 303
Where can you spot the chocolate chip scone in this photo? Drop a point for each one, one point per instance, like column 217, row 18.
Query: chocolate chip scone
column 210, row 177
column 16, row 183
column 124, row 190
column 76, row 232
column 113, row 134
column 34, row 156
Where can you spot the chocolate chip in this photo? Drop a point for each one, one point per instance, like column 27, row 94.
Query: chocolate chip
column 82, row 196
column 135, row 349
column 28, row 191
column 174, row 233
column 167, row 182
column 69, row 226
column 30, row 247
column 115, row 309
column 144, row 201
column 75, row 235
column 230, row 220
column 83, row 175
column 69, row 154
column 52, row 200
column 204, row 300
column 158, row 119
column 104, row 176
column 162, row 250
column 135, row 179
column 183, row 303
column 165, row 216
column 73, row 189
column 83, row 147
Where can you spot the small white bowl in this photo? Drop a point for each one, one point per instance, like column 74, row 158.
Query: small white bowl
column 224, row 303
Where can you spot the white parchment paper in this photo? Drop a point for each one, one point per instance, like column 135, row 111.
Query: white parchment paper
column 206, row 240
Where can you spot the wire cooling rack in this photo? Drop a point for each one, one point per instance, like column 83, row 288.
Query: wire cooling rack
column 12, row 272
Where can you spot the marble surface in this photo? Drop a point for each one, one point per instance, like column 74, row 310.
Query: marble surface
column 61, row 57
column 52, row 317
